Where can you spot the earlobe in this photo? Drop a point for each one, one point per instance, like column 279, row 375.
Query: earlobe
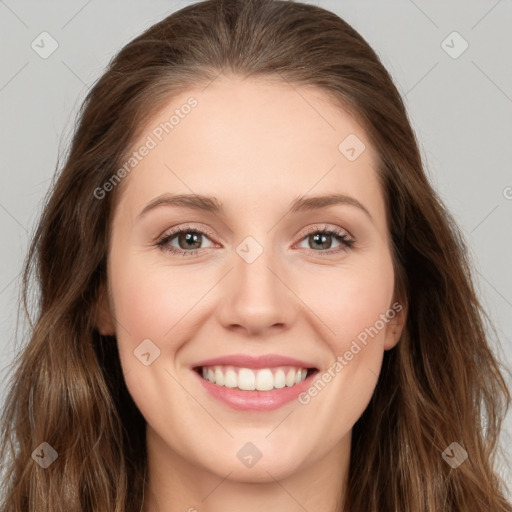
column 104, row 318
column 395, row 326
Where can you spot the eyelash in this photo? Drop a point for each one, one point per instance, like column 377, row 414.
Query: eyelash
column 340, row 235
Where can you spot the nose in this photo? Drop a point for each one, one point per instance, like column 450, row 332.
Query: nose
column 257, row 298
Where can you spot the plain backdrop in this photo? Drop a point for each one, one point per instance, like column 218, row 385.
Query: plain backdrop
column 451, row 60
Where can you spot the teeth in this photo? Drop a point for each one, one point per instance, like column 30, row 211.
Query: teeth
column 230, row 379
column 279, row 379
column 290, row 378
column 246, row 379
column 264, row 379
column 219, row 377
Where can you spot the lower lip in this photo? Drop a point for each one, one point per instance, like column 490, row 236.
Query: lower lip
column 256, row 400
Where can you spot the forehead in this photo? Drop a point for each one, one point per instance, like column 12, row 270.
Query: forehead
column 250, row 142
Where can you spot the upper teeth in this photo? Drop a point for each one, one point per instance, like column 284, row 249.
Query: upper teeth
column 263, row 379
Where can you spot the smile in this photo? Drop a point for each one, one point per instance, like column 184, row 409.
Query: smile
column 250, row 379
column 254, row 386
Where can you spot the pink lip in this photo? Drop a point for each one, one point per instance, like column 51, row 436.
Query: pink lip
column 256, row 400
column 245, row 361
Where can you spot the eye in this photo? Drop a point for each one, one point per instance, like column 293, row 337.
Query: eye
column 188, row 240
column 322, row 239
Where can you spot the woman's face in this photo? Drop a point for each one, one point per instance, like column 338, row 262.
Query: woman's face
column 257, row 276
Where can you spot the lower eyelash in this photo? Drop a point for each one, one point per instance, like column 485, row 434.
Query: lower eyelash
column 340, row 236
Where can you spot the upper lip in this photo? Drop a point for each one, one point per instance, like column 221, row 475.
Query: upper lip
column 246, row 361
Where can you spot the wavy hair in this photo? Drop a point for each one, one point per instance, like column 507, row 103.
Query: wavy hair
column 440, row 384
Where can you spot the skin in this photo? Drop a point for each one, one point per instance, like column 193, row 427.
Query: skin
column 255, row 145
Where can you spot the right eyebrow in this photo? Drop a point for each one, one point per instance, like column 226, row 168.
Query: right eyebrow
column 195, row 201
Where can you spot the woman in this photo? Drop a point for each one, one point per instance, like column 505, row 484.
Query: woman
column 251, row 368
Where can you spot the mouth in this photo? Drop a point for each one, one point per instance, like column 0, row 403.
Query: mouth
column 254, row 383
column 255, row 379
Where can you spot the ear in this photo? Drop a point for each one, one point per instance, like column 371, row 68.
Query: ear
column 104, row 318
column 397, row 318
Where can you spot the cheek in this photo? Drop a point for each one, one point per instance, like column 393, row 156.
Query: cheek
column 151, row 305
column 351, row 299
column 150, row 300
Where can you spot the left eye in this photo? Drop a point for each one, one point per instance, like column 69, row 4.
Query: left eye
column 189, row 241
column 324, row 238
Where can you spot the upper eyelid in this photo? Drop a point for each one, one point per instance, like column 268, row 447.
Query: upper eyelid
column 324, row 227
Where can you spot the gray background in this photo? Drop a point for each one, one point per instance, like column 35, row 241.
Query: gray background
column 460, row 107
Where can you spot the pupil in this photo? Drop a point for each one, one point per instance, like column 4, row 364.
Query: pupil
column 323, row 243
column 189, row 237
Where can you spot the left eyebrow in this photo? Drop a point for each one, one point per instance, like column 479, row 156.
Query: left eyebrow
column 317, row 202
column 212, row 204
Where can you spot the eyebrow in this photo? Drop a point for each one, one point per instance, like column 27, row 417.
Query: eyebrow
column 213, row 205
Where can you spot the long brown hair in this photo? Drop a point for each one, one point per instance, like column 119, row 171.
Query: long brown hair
column 437, row 386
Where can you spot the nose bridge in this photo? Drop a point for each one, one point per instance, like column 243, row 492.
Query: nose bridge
column 256, row 297
column 254, row 260
column 254, row 269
